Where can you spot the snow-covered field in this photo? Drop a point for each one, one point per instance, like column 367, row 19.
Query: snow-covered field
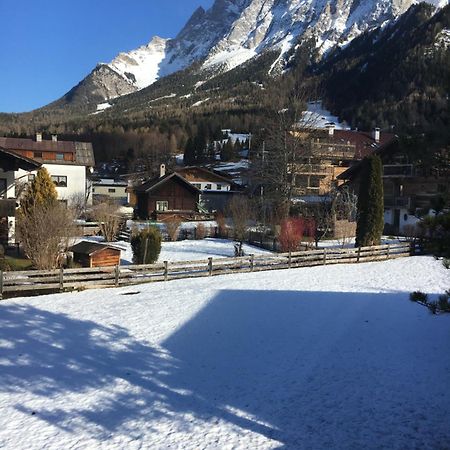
column 191, row 250
column 331, row 357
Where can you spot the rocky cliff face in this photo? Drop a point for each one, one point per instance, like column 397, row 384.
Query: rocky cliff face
column 233, row 31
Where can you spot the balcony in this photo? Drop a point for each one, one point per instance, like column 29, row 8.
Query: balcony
column 397, row 170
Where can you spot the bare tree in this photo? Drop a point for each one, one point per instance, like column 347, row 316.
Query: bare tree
column 108, row 218
column 45, row 231
column 283, row 147
column 173, row 227
column 241, row 212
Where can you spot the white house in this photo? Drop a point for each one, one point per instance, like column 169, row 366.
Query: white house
column 69, row 164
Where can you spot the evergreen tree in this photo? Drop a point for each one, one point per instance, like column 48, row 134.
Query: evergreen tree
column 146, row 246
column 41, row 191
column 370, row 203
column 189, row 153
column 227, row 152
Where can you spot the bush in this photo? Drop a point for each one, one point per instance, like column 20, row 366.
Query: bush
column 433, row 306
column 443, row 303
column 146, row 246
column 200, row 231
column 446, row 263
column 172, row 227
column 418, row 296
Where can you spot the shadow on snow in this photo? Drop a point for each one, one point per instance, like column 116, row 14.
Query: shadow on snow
column 309, row 369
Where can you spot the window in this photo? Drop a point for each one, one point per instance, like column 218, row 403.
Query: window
column 219, row 187
column 60, row 156
column 208, row 186
column 111, row 190
column 2, row 187
column 37, row 154
column 59, row 180
column 197, row 185
column 162, row 206
column 31, row 177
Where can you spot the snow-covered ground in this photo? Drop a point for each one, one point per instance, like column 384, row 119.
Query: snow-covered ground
column 191, row 250
column 325, row 357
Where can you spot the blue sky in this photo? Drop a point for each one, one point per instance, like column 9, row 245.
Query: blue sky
column 48, row 46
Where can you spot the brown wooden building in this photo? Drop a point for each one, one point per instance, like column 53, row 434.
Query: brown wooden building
column 166, row 196
column 95, row 254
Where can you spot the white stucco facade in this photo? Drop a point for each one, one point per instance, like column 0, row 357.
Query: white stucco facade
column 70, row 180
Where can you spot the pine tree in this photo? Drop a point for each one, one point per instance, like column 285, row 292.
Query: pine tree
column 370, row 203
column 189, row 153
column 41, row 191
column 227, row 152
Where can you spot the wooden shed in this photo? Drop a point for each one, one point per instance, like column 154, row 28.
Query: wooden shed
column 95, row 254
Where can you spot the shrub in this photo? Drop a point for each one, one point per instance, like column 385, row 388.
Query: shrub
column 146, row 246
column 291, row 234
column 418, row 296
column 443, row 303
column 446, row 263
column 172, row 227
column 433, row 306
column 221, row 225
column 201, row 231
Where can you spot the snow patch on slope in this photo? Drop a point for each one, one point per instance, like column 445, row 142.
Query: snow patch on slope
column 141, row 67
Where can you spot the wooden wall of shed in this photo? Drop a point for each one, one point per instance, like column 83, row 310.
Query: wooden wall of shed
column 105, row 258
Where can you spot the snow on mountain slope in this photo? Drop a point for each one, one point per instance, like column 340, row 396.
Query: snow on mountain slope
column 233, row 31
column 141, row 66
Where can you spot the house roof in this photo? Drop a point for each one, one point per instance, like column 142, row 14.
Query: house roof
column 14, row 161
column 90, row 247
column 207, row 174
column 83, row 151
column 155, row 183
column 31, row 145
column 364, row 142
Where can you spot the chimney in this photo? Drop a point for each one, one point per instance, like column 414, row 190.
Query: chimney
column 162, row 170
column 38, row 137
column 330, row 127
column 376, row 134
column 54, row 137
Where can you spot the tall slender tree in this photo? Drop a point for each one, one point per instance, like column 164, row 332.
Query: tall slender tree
column 370, row 223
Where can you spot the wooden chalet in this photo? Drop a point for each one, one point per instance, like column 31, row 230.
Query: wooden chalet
column 216, row 189
column 331, row 152
column 167, row 196
column 95, row 254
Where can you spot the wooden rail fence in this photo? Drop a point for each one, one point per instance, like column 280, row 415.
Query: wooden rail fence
column 34, row 281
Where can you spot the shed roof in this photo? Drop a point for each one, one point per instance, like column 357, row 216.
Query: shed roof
column 90, row 247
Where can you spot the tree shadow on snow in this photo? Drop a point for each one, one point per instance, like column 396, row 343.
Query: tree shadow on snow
column 302, row 368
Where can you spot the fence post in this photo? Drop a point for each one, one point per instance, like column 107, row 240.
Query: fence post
column 324, row 256
column 412, row 248
column 359, row 254
column 387, row 254
column 1, row 284
column 210, row 267
column 252, row 262
column 290, row 259
column 61, row 279
column 116, row 275
column 166, row 270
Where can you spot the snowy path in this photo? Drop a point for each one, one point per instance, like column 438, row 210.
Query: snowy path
column 324, row 357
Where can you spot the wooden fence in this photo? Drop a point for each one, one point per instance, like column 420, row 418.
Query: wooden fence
column 33, row 281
